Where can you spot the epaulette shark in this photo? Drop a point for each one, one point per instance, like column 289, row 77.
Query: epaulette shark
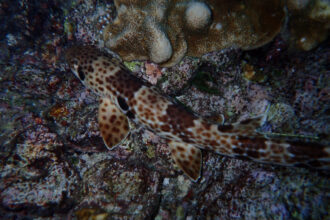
column 125, row 97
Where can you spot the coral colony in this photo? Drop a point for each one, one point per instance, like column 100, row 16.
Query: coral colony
column 164, row 31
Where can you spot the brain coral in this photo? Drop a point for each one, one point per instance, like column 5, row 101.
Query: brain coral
column 164, row 31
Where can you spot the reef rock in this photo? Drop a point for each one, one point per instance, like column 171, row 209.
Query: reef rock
column 164, row 31
column 309, row 22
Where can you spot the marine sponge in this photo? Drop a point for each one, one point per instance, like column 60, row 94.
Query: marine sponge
column 164, row 31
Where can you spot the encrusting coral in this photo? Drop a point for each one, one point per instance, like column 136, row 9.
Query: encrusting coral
column 164, row 31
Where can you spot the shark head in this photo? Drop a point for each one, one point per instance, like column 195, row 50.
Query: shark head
column 80, row 59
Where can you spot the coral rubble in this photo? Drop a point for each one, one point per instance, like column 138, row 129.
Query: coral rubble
column 164, row 31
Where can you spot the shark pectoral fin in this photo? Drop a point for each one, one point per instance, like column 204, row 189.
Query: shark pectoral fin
column 188, row 158
column 113, row 123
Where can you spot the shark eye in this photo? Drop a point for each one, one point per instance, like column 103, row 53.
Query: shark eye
column 81, row 73
column 122, row 103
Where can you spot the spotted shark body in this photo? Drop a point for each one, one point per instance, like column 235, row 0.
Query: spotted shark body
column 124, row 97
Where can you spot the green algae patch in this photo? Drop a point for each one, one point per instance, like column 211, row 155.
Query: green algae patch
column 133, row 65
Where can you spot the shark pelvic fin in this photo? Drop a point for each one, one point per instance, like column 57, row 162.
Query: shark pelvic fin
column 188, row 158
column 113, row 123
